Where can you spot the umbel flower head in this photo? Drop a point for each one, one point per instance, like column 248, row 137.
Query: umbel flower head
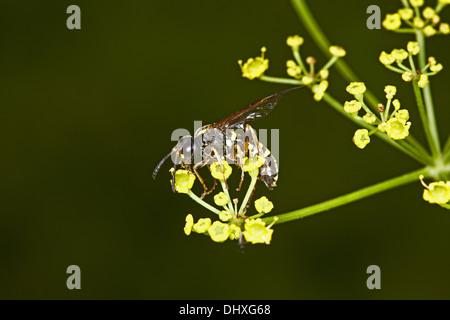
column 416, row 19
column 436, row 192
column 254, row 67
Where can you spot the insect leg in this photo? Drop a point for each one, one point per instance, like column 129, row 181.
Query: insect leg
column 254, row 137
column 216, row 154
column 202, row 181
column 239, row 162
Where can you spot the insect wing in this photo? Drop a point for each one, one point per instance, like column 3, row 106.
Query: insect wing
column 254, row 111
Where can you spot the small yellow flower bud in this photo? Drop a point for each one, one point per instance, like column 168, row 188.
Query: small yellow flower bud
column 413, row 47
column 324, row 73
column 390, row 91
column 219, row 232
column 392, row 21
column 435, row 20
column 370, row 118
column 406, row 13
column 399, row 54
column 418, row 22
column 429, row 31
column 257, row 232
column 436, row 68
column 337, row 51
column 225, row 215
column 294, row 41
column 396, row 104
column 356, row 88
column 436, row 192
column 220, row 172
column 352, row 106
column 416, row 3
column 428, row 13
column 444, row 28
column 423, row 81
column 407, row 76
column 293, row 69
column 221, row 199
column 202, row 225
column 361, row 138
column 386, row 58
column 184, row 180
column 432, row 61
column 397, row 129
column 263, row 205
column 307, row 80
column 235, row 232
column 189, row 224
column 402, row 115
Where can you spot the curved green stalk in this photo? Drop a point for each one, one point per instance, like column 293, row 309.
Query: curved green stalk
column 436, row 145
column 424, row 117
column 348, row 198
column 202, row 203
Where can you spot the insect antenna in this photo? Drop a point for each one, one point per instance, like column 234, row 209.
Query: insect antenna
column 158, row 167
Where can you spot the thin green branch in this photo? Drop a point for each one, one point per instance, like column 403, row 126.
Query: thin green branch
column 424, row 118
column 429, row 107
column 202, row 203
column 402, row 146
column 280, row 80
column 348, row 198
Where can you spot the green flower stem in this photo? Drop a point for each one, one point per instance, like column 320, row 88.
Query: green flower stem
column 280, row 80
column 416, row 144
column 403, row 30
column 447, row 149
column 395, row 69
column 225, row 190
column 323, row 43
column 402, row 146
column 348, row 198
column 424, row 117
column 248, row 194
column 298, row 58
column 435, row 146
column 446, row 157
column 202, row 203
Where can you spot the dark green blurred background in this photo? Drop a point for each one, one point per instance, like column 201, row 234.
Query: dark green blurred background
column 87, row 114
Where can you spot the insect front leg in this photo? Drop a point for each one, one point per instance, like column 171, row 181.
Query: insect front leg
column 240, row 162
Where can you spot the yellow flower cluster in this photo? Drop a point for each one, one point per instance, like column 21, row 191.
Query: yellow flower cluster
column 254, row 230
column 254, row 67
column 232, row 224
column 427, row 20
column 395, row 125
column 410, row 73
